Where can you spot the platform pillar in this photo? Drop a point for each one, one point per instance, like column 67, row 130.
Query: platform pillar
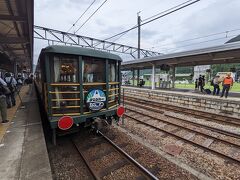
column 173, row 76
column 15, row 67
column 138, row 74
column 153, row 76
column 133, row 77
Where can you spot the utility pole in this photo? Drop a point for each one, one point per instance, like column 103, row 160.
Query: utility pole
column 139, row 32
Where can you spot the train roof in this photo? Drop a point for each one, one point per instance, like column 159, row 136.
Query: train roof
column 80, row 51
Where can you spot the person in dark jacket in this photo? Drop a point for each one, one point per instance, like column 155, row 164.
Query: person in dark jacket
column 196, row 84
column 11, row 83
column 200, row 83
column 3, row 103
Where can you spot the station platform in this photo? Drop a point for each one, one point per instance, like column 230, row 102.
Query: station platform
column 226, row 106
column 23, row 152
column 187, row 90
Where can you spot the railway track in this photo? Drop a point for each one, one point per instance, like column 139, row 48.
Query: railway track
column 95, row 151
column 235, row 122
column 191, row 141
column 155, row 110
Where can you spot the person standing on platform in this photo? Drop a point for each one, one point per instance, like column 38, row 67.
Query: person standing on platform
column 216, row 82
column 11, row 83
column 227, row 83
column 196, row 84
column 203, row 81
column 3, row 103
column 200, row 83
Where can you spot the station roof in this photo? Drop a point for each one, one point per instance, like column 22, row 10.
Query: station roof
column 226, row 53
column 16, row 30
column 235, row 39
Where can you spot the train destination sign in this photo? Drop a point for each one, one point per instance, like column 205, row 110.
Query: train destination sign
column 96, row 99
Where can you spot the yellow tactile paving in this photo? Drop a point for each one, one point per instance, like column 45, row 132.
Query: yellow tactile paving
column 12, row 111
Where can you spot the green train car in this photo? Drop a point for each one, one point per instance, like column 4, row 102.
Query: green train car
column 78, row 86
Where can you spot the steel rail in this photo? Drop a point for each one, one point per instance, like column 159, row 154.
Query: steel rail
column 186, row 140
column 94, row 173
column 183, row 111
column 189, row 129
column 235, row 135
column 143, row 169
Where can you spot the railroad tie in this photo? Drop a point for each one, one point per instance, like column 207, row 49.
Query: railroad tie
column 188, row 136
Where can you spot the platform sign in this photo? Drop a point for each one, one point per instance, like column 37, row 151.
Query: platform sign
column 96, row 99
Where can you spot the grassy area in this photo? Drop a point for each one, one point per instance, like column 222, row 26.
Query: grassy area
column 235, row 88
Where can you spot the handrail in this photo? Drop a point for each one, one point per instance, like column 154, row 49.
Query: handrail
column 64, row 92
column 85, row 84
column 113, row 89
column 113, row 106
column 77, row 99
column 111, row 101
column 69, row 114
column 68, row 107
column 94, row 84
column 113, row 83
column 64, row 84
column 111, row 95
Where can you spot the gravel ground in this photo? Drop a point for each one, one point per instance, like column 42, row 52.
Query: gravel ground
column 154, row 162
column 199, row 139
column 205, row 162
column 106, row 161
column 126, row 172
column 66, row 162
column 205, row 122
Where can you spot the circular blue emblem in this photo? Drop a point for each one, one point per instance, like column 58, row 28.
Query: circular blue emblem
column 96, row 99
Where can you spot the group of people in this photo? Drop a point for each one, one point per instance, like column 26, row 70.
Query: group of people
column 9, row 86
column 200, row 83
column 227, row 83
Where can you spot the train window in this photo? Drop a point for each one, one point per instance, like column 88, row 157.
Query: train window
column 112, row 71
column 93, row 70
column 65, row 69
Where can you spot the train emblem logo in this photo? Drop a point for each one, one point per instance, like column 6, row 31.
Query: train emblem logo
column 96, row 99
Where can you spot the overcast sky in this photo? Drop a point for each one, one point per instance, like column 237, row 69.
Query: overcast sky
column 163, row 35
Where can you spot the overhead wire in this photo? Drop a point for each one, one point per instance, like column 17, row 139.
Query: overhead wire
column 166, row 10
column 176, row 8
column 91, row 16
column 81, row 15
column 201, row 42
column 200, row 37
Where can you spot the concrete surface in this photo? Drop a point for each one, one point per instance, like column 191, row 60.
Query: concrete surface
column 23, row 153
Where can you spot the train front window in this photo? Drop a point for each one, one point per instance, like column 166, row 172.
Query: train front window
column 65, row 90
column 112, row 71
column 93, row 70
column 65, row 69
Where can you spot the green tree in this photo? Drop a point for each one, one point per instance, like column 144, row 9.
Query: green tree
column 224, row 68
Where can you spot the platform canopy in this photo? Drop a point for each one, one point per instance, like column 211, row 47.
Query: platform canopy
column 16, row 31
column 227, row 53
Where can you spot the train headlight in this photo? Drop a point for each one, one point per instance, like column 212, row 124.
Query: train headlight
column 120, row 111
column 65, row 122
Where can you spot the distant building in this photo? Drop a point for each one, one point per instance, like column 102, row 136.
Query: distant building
column 200, row 70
